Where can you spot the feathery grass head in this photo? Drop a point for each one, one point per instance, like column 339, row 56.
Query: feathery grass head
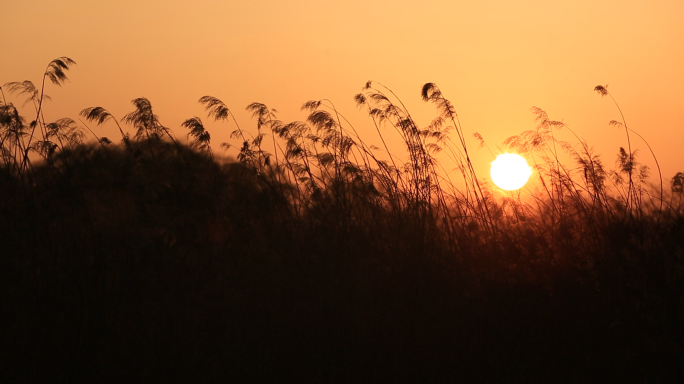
column 45, row 148
column 65, row 132
column 677, row 183
column 480, row 139
column 201, row 137
column 98, row 115
column 601, row 90
column 56, row 70
column 544, row 124
column 360, row 99
column 311, row 105
column 9, row 116
column 215, row 108
column 430, row 92
column 264, row 115
column 144, row 120
column 322, row 120
column 27, row 88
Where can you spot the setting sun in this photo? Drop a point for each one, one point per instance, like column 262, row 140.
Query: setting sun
column 510, row 171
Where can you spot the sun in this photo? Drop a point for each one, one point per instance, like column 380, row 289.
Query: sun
column 510, row 171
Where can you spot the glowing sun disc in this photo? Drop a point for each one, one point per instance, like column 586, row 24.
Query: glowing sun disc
column 510, row 171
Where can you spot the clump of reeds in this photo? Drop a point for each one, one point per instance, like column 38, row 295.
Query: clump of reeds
column 317, row 238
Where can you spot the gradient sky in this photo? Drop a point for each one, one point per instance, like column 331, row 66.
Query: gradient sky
column 493, row 59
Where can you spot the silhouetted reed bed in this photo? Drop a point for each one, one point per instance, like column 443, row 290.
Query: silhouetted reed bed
column 153, row 259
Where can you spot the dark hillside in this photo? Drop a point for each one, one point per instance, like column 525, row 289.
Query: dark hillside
column 328, row 260
column 157, row 263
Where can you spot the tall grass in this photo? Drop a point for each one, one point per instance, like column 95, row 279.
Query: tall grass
column 316, row 256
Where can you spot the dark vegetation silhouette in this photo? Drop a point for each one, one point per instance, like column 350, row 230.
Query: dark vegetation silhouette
column 327, row 259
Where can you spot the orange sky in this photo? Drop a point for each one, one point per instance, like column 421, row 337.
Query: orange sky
column 493, row 59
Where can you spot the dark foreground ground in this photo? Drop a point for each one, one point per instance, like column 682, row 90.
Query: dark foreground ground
column 127, row 269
